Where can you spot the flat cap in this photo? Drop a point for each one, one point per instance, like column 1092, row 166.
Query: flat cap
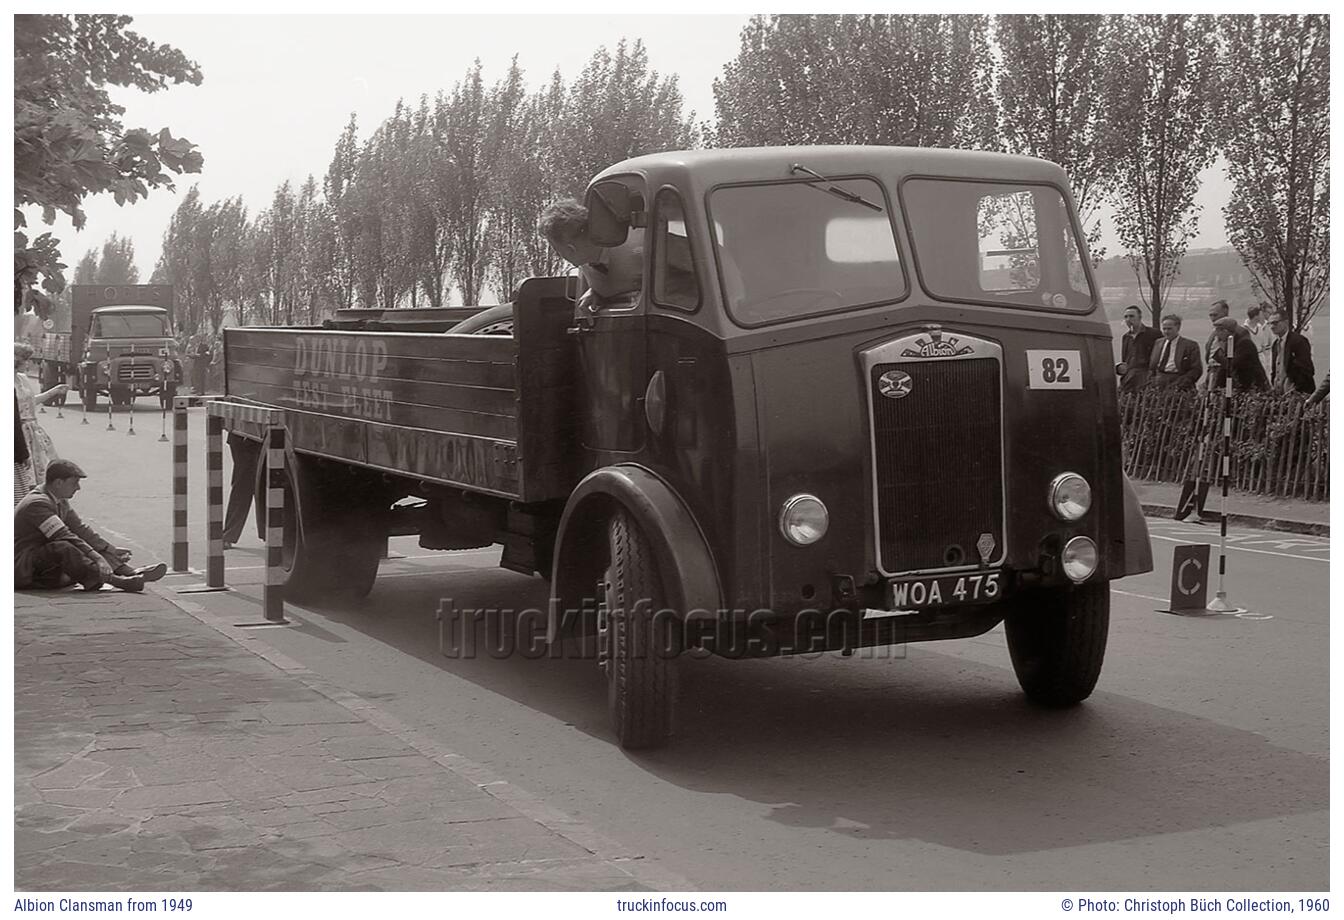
column 64, row 469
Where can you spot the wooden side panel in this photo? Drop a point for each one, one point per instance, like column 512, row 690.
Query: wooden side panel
column 489, row 413
column 459, row 384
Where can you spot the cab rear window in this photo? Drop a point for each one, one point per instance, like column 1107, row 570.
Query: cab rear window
column 997, row 243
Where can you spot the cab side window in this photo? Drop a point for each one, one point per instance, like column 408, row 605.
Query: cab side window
column 674, row 277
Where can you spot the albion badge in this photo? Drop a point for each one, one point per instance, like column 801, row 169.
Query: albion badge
column 894, row 384
column 936, row 346
column 986, row 547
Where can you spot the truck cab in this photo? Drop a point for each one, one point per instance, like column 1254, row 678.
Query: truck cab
column 123, row 337
column 882, row 395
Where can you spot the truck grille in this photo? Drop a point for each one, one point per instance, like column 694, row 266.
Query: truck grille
column 135, row 372
column 938, row 454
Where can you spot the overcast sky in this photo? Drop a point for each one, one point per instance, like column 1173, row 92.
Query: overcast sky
column 278, row 90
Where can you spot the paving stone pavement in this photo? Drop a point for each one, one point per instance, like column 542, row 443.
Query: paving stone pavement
column 153, row 752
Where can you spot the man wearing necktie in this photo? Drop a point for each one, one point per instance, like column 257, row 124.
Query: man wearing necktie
column 1175, row 359
column 1291, row 367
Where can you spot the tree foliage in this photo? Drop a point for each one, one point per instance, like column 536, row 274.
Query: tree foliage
column 913, row 80
column 438, row 203
column 1278, row 152
column 1050, row 83
column 1162, row 98
column 69, row 142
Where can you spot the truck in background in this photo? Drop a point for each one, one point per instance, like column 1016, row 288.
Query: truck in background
column 120, row 344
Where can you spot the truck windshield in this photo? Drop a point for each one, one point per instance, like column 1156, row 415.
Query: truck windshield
column 130, row 325
column 788, row 250
column 996, row 243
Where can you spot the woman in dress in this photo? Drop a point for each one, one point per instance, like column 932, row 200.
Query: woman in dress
column 40, row 449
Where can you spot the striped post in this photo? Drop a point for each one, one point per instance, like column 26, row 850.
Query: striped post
column 131, row 429
column 180, row 546
column 83, row 387
column 214, row 497
column 273, row 592
column 1220, row 604
column 110, row 426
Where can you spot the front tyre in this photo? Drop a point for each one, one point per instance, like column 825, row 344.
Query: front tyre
column 638, row 636
column 1057, row 641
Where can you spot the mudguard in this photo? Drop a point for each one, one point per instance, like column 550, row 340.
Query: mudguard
column 1138, row 548
column 685, row 562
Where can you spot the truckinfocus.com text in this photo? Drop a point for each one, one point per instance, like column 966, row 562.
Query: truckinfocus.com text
column 506, row 632
column 667, row 904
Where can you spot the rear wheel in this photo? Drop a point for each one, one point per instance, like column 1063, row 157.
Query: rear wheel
column 1057, row 641
column 637, row 640
column 326, row 553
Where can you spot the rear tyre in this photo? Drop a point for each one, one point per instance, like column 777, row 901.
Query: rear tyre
column 636, row 638
column 1057, row 641
column 327, row 554
column 490, row 321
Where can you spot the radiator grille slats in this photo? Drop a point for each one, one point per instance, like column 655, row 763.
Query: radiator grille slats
column 938, row 452
column 135, row 372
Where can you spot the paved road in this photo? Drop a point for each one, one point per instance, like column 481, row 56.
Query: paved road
column 1200, row 763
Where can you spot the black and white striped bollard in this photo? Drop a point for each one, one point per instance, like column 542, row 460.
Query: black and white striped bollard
column 180, row 546
column 214, row 474
column 273, row 591
column 1220, row 603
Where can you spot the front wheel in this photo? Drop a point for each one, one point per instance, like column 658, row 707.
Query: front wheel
column 1057, row 641
column 637, row 636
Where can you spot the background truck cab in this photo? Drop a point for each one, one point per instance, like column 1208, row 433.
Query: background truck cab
column 120, row 344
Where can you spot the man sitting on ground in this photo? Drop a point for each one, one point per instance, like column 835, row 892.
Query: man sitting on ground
column 53, row 548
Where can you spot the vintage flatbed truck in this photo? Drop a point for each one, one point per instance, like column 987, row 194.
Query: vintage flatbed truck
column 864, row 396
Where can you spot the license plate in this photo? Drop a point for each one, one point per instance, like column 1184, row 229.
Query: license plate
column 946, row 590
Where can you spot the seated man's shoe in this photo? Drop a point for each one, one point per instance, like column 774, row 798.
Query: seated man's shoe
column 152, row 572
column 132, row 583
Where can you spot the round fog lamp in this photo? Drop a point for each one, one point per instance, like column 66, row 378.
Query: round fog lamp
column 803, row 520
column 1079, row 559
column 1070, row 496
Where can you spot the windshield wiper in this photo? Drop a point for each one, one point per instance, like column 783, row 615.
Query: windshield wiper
column 835, row 189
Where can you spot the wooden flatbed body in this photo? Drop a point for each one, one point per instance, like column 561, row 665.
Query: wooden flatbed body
column 486, row 413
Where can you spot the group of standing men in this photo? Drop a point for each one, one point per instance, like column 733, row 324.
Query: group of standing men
column 1259, row 355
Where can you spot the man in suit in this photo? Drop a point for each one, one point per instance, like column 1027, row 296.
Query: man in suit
column 1136, row 350
column 1290, row 358
column 1174, row 361
column 1244, row 364
column 1214, row 343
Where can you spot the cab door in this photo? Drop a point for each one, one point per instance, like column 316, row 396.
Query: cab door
column 611, row 355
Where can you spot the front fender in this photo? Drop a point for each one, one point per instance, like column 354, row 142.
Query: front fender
column 1138, row 547
column 685, row 563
